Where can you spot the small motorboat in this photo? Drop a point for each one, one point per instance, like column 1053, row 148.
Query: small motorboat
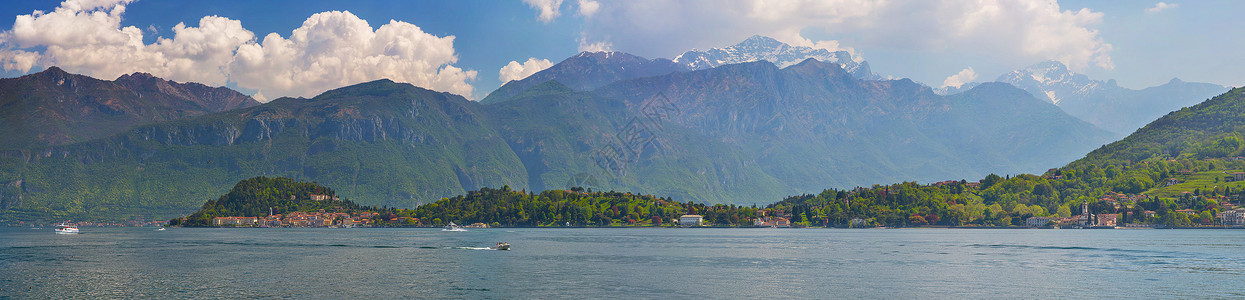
column 160, row 229
column 504, row 246
column 66, row 229
column 453, row 227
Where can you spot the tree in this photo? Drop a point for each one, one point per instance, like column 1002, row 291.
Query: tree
column 990, row 180
column 917, row 220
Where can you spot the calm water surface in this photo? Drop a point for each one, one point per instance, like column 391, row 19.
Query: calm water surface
column 621, row 263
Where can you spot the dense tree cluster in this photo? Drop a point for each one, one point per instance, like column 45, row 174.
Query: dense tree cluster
column 256, row 197
column 577, row 206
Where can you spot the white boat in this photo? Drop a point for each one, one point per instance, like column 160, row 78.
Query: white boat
column 453, row 227
column 160, row 229
column 504, row 246
column 66, row 229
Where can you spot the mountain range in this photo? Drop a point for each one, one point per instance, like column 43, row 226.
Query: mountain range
column 740, row 133
column 54, row 107
column 1104, row 103
column 729, row 126
column 765, row 48
column 588, row 70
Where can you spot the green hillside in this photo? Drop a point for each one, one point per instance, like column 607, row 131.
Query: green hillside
column 1197, row 147
column 1211, row 129
column 381, row 142
column 261, row 196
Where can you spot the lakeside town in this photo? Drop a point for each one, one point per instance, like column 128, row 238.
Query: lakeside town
column 1226, row 215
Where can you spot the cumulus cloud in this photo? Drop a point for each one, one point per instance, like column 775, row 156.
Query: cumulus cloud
column 830, row 45
column 1013, row 32
column 547, row 9
column 18, row 60
column 329, row 50
column 337, row 48
column 959, row 79
column 259, row 96
column 600, row 46
column 587, row 8
column 516, row 71
column 1161, row 6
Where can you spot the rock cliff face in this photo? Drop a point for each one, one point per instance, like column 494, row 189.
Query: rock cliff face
column 54, row 107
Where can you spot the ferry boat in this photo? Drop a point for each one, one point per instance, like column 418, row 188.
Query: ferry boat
column 453, row 227
column 66, row 229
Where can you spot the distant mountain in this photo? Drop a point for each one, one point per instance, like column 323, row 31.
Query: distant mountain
column 1106, row 104
column 813, row 124
column 952, row 90
column 1053, row 82
column 758, row 47
column 588, row 70
column 55, row 107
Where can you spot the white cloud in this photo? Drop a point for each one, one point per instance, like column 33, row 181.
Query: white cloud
column 1161, row 6
column 587, row 8
column 18, row 60
column 516, row 71
column 259, row 96
column 794, row 39
column 601, row 46
column 330, row 50
column 337, row 48
column 1007, row 31
column 959, row 79
column 548, row 9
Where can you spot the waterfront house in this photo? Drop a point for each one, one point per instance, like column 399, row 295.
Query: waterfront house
column 691, row 220
column 1040, row 221
column 1107, row 220
column 858, row 222
column 782, row 223
column 235, row 221
column 1235, row 217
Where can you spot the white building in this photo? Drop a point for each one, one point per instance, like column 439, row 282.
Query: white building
column 691, row 220
column 1039, row 221
column 1233, row 217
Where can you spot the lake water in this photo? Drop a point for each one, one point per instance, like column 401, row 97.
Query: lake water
column 621, row 263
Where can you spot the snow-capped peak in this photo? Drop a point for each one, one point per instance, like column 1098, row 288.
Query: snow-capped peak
column 1051, row 80
column 781, row 54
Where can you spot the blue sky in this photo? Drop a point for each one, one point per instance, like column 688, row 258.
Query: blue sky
column 1139, row 43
